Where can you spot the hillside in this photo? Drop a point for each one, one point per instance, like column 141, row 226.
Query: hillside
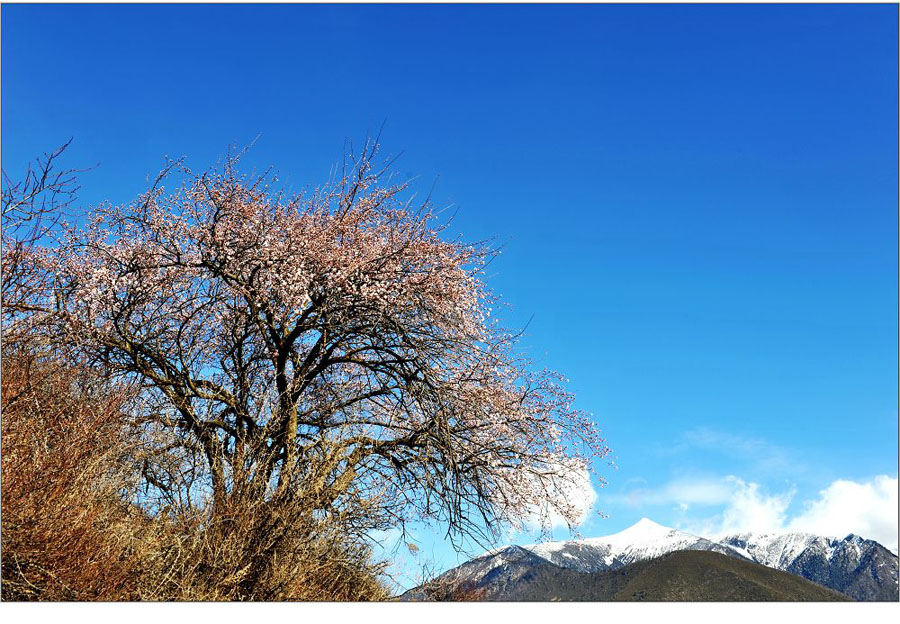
column 677, row 576
column 859, row 568
column 863, row 569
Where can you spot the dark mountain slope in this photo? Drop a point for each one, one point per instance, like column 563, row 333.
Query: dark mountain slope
column 710, row 576
column 862, row 569
column 677, row 576
column 494, row 574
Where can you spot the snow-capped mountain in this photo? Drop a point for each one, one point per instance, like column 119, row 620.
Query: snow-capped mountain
column 859, row 568
column 494, row 572
column 777, row 550
column 643, row 540
column 863, row 569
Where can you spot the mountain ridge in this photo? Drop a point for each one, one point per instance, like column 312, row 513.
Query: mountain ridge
column 695, row 576
column 859, row 568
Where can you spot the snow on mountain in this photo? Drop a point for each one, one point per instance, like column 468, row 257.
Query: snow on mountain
column 491, row 573
column 643, row 540
column 862, row 569
column 778, row 550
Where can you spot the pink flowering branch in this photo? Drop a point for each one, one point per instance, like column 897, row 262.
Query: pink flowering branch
column 333, row 343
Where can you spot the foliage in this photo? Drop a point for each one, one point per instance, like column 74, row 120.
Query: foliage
column 305, row 369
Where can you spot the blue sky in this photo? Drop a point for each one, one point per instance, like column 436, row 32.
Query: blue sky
column 698, row 204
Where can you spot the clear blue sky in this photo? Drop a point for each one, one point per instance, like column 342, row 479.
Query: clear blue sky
column 698, row 203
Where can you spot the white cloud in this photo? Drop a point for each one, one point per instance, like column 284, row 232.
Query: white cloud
column 867, row 508
column 684, row 492
column 750, row 506
column 744, row 506
column 573, row 490
column 712, row 506
column 754, row 455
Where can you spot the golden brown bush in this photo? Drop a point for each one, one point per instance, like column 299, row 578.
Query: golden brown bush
column 253, row 555
column 80, row 466
column 70, row 464
column 67, row 533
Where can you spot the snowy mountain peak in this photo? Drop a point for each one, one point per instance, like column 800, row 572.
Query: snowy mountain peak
column 643, row 540
column 642, row 530
column 648, row 523
column 860, row 568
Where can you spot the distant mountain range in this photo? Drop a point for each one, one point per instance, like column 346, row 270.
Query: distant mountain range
column 737, row 567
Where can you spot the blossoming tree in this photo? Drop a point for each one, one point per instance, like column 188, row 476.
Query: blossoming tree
column 333, row 346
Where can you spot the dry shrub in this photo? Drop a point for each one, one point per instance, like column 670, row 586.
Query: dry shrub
column 75, row 526
column 260, row 552
column 67, row 533
column 450, row 590
column 71, row 462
